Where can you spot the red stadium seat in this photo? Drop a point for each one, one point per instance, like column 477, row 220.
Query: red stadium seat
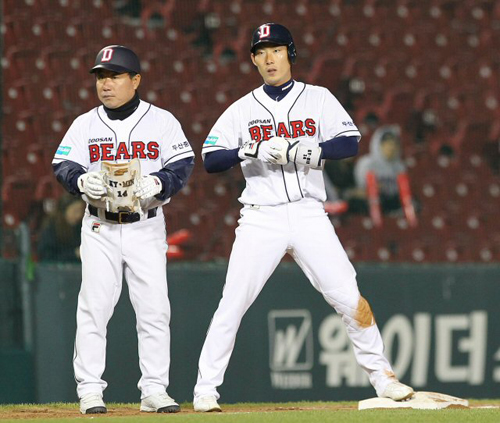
column 397, row 106
column 17, row 195
column 327, row 71
column 471, row 136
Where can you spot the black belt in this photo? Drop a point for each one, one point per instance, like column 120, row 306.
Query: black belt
column 123, row 216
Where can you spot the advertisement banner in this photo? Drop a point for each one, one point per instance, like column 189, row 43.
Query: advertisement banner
column 440, row 326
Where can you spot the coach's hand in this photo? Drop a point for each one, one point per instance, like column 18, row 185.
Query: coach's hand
column 92, row 184
column 148, row 186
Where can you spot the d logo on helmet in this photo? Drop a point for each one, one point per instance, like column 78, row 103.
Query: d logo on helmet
column 265, row 31
column 107, row 54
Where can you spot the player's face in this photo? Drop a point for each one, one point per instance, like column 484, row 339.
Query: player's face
column 273, row 64
column 115, row 89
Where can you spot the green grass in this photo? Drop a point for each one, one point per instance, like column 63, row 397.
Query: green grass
column 307, row 412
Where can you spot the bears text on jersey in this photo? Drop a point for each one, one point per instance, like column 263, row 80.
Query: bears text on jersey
column 297, row 128
column 138, row 149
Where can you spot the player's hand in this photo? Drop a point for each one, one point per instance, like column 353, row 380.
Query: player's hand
column 249, row 150
column 304, row 154
column 274, row 151
column 92, row 184
column 148, row 186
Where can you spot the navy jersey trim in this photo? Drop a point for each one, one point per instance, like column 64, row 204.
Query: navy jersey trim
column 135, row 126
column 111, row 129
column 274, row 121
column 290, row 129
column 345, row 132
column 213, row 148
column 179, row 154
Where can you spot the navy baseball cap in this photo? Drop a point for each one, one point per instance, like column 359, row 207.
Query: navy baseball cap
column 117, row 59
column 275, row 34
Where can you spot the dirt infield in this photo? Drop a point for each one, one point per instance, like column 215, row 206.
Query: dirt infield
column 61, row 411
column 71, row 410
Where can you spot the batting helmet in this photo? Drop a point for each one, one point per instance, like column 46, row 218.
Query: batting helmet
column 117, row 59
column 276, row 34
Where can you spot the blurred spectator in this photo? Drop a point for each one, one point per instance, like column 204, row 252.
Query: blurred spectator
column 384, row 160
column 491, row 153
column 370, row 123
column 129, row 8
column 446, row 155
column 202, row 27
column 60, row 235
column 342, row 192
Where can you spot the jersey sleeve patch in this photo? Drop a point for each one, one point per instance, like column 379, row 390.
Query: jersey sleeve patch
column 211, row 140
column 63, row 150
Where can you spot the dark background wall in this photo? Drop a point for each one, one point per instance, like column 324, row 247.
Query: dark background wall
column 438, row 323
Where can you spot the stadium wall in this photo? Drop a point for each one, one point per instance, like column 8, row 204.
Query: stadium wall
column 439, row 323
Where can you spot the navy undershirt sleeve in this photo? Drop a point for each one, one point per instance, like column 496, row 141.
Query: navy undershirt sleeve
column 339, row 148
column 334, row 149
column 174, row 177
column 221, row 160
column 67, row 174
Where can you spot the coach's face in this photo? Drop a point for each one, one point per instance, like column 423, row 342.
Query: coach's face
column 273, row 64
column 115, row 89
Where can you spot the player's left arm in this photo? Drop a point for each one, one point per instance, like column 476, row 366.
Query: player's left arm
column 173, row 177
column 178, row 162
column 339, row 148
column 311, row 155
column 339, row 130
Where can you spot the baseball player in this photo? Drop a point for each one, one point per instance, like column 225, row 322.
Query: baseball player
column 126, row 158
column 281, row 133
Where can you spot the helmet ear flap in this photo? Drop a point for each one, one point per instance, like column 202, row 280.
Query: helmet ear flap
column 292, row 53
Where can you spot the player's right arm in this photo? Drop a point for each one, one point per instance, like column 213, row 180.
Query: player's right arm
column 225, row 147
column 220, row 149
column 221, row 160
column 71, row 162
column 67, row 174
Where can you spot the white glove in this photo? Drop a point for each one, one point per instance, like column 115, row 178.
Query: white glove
column 272, row 151
column 92, row 184
column 148, row 186
column 249, row 150
column 304, row 154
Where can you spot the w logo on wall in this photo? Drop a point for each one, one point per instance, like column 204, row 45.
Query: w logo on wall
column 290, row 340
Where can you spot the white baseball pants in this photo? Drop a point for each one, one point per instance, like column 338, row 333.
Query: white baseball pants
column 109, row 251
column 264, row 235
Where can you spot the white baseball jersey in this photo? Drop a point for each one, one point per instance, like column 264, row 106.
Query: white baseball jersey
column 151, row 134
column 308, row 112
column 111, row 250
column 283, row 213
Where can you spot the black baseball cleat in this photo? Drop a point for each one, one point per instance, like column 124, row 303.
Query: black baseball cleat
column 96, row 410
column 159, row 403
column 92, row 404
column 169, row 409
